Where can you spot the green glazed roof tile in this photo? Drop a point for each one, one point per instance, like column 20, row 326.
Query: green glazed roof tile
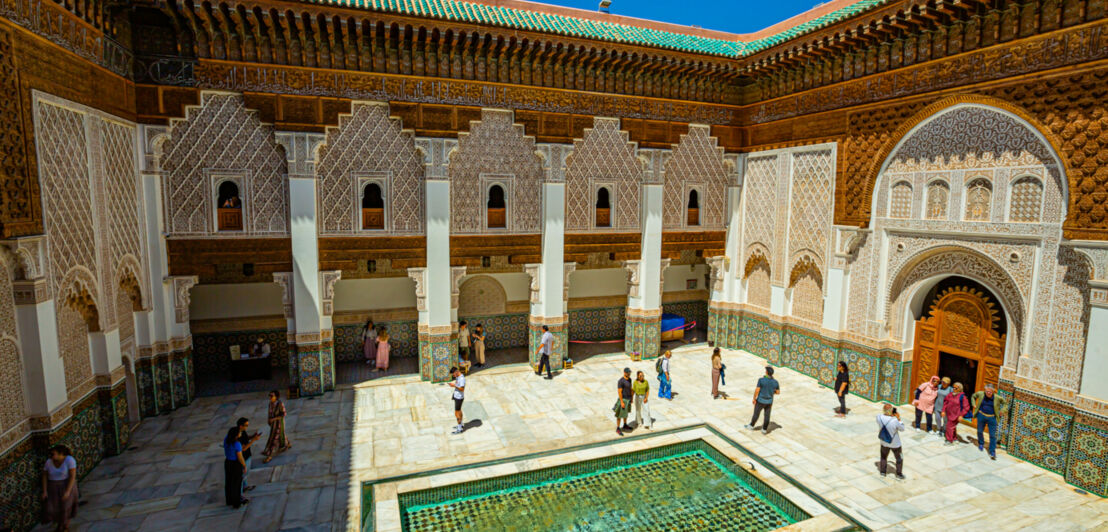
column 477, row 13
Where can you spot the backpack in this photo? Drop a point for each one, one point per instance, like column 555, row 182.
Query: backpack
column 885, row 435
column 658, row 365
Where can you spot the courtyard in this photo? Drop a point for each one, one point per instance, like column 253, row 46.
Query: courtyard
column 171, row 477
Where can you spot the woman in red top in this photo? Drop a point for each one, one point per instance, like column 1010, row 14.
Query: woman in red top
column 954, row 407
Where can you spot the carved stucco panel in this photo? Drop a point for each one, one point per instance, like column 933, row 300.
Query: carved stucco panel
column 696, row 161
column 603, row 155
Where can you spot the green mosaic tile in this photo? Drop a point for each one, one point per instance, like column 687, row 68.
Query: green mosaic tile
column 478, row 13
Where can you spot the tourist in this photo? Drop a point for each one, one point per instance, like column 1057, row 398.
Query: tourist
column 383, row 350
column 641, row 388
column 954, row 407
column 59, row 487
column 246, row 440
column 942, row 392
column 277, row 443
column 459, row 386
column 234, row 465
column 986, row 407
column 546, row 348
column 763, row 399
column 479, row 345
column 925, row 401
column 369, row 342
column 717, row 369
column 888, row 432
column 463, row 341
column 665, row 386
column 842, row 387
column 624, row 393
column 260, row 348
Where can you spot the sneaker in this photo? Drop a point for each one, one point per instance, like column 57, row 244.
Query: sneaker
column 620, row 432
column 899, row 476
column 884, row 474
column 626, row 427
column 457, row 430
column 764, row 431
column 748, row 426
column 980, row 447
column 992, row 457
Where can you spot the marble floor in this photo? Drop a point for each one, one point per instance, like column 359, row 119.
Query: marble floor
column 392, row 426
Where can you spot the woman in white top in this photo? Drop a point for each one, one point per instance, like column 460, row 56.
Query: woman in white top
column 59, row 487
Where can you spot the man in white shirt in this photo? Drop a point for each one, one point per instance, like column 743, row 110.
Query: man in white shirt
column 546, row 348
column 459, row 386
column 888, row 432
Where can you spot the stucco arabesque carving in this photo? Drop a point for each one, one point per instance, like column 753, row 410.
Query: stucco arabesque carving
column 719, row 265
column 419, row 275
column 567, row 269
column 284, row 280
column 632, row 267
column 534, row 271
column 181, row 296
column 327, row 280
column 456, row 274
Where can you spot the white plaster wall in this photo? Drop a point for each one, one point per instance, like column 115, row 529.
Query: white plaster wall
column 517, row 286
column 675, row 277
column 374, row 294
column 597, row 283
column 214, row 301
column 1093, row 381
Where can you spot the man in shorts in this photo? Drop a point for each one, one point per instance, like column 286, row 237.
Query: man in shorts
column 623, row 404
column 459, row 386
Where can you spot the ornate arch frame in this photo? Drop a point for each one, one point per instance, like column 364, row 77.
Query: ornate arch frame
column 876, row 171
column 904, row 299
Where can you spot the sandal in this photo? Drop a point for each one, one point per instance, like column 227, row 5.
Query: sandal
column 267, row 459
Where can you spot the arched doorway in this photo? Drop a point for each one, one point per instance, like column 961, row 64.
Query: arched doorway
column 961, row 335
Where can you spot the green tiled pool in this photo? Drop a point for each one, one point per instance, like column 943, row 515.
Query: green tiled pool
column 688, row 486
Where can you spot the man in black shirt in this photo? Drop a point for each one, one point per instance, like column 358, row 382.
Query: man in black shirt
column 246, row 440
column 623, row 403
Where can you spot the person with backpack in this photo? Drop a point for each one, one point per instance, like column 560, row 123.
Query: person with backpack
column 888, row 432
column 665, row 386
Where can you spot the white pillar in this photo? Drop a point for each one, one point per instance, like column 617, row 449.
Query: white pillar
column 43, row 373
column 315, row 360
column 644, row 304
column 550, row 309
column 436, row 292
column 105, row 352
column 1094, row 373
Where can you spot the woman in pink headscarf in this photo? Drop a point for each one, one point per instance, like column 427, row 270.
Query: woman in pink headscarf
column 954, row 407
column 925, row 401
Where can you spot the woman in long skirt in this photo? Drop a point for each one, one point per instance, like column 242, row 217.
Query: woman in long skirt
column 717, row 366
column 383, row 351
column 59, row 487
column 369, row 342
column 277, row 442
column 234, row 465
column 479, row 345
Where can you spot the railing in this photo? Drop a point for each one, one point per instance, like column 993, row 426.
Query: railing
column 603, row 217
column 373, row 218
column 694, row 217
column 496, row 218
column 230, row 219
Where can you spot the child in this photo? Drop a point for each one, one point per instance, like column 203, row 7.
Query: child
column 459, row 386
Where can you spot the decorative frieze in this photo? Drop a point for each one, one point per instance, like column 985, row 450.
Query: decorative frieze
column 327, row 280
column 181, row 295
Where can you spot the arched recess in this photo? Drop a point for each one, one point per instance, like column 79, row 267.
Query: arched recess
column 961, row 335
column 806, row 290
column 1045, row 142
column 481, row 295
column 78, row 314
column 911, row 284
column 756, row 273
column 129, row 299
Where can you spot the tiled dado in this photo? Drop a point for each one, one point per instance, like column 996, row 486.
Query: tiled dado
column 876, row 374
column 403, row 340
column 559, row 328
column 643, row 332
column 165, row 382
column 438, row 352
column 315, row 366
column 96, row 428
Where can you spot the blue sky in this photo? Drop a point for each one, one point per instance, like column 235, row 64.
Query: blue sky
column 736, row 16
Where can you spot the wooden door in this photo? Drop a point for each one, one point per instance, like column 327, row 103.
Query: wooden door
column 962, row 323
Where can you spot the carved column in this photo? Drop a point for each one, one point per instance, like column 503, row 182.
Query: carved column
column 550, row 276
column 723, row 322
column 284, row 280
column 178, row 380
column 847, row 241
column 436, row 289
column 1094, row 386
column 644, row 303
